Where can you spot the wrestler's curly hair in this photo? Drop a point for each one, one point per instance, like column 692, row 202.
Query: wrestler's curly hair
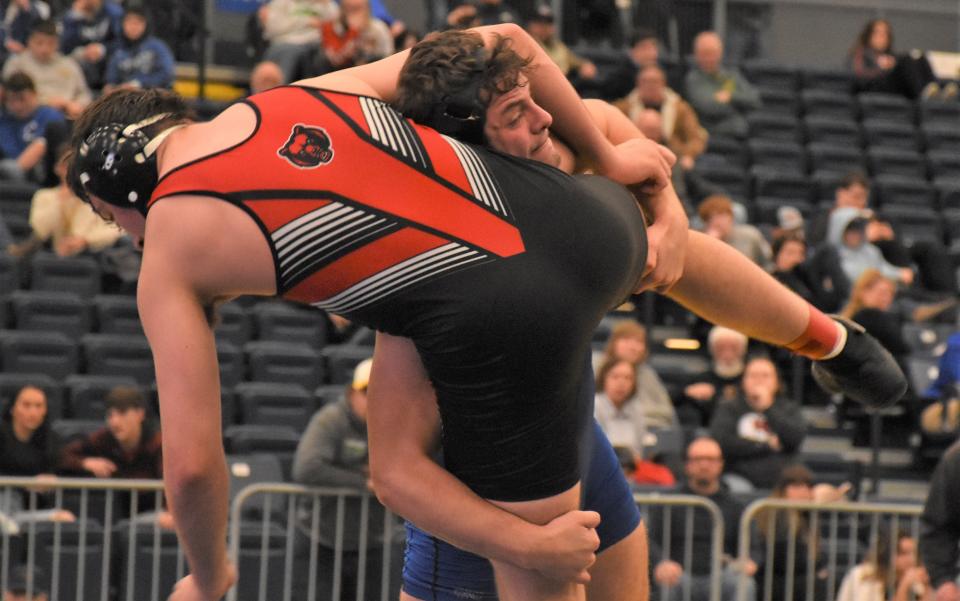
column 445, row 63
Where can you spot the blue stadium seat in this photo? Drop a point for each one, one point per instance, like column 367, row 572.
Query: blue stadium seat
column 835, row 157
column 63, row 312
column 117, row 314
column 12, row 382
column 823, row 103
column 732, row 180
column 948, row 193
column 234, row 324
column 784, row 156
column 732, row 149
column 940, row 136
column 51, row 353
column 292, row 362
column 275, row 404
column 773, row 126
column 913, row 223
column 785, row 185
column 231, row 361
column 119, row 355
column 767, row 74
column 65, row 274
column 946, row 113
column 943, row 164
column 827, row 80
column 895, row 134
column 831, row 130
column 342, row 359
column 893, row 189
column 893, row 107
column 87, row 394
column 285, row 322
column 893, row 161
column 779, row 100
column 9, row 274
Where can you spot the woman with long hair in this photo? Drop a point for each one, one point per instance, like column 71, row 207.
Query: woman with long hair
column 884, row 571
column 878, row 69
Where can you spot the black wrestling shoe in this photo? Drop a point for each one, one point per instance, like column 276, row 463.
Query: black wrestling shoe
column 863, row 371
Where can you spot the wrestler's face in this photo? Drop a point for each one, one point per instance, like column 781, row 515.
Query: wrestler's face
column 129, row 220
column 518, row 126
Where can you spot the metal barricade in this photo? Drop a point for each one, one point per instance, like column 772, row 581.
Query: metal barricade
column 688, row 504
column 326, row 534
column 817, row 544
column 95, row 556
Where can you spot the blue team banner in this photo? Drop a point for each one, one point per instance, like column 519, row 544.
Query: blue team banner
column 240, row 6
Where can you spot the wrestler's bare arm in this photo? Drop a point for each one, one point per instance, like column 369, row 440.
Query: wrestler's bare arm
column 403, row 426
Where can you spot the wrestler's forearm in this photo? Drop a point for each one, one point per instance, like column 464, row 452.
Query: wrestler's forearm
column 723, row 286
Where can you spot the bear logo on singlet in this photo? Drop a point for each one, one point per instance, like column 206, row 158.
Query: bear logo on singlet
column 307, row 147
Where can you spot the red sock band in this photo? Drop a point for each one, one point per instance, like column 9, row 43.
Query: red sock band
column 818, row 339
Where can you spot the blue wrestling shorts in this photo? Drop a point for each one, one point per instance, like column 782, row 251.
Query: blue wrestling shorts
column 436, row 571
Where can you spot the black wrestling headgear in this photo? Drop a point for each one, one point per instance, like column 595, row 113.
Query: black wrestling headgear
column 462, row 115
column 118, row 163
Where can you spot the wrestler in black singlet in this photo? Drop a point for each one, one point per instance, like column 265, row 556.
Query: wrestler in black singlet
column 497, row 268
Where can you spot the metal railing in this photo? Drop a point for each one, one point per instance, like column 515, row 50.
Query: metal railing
column 809, row 531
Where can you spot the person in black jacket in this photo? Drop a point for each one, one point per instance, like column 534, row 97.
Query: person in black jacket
column 940, row 527
column 703, row 468
column 759, row 431
column 28, row 447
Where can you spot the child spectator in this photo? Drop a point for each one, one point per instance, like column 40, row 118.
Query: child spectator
column 60, row 82
column 91, row 29
column 140, row 60
column 355, row 38
column 23, row 124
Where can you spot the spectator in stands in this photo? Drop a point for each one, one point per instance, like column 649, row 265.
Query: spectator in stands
column 128, row 447
column 728, row 352
column 58, row 216
column 936, row 273
column 22, row 581
column 59, row 81
column 722, row 97
column 680, row 126
column 703, row 468
column 28, row 446
column 628, row 342
column 853, row 192
column 16, row 23
column 847, row 234
column 615, row 409
column 292, row 29
column 790, row 527
column 140, row 60
column 644, row 49
column 405, row 38
column 877, row 69
column 355, row 38
column 542, row 28
column 760, row 431
column 940, row 527
column 791, row 268
column 716, row 212
column 91, row 29
column 23, row 124
column 868, row 581
column 333, row 453
column 265, row 75
column 491, row 12
column 463, row 16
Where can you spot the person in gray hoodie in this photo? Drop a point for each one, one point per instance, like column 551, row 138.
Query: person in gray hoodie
column 333, row 453
column 847, row 233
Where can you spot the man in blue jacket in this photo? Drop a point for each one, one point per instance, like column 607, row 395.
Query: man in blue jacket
column 91, row 29
column 140, row 59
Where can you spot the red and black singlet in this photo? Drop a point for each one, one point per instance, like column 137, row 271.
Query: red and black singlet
column 498, row 268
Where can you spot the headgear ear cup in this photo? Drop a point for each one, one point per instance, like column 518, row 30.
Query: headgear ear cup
column 462, row 115
column 118, row 163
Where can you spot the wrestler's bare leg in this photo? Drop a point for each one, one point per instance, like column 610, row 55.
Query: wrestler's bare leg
column 620, row 573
